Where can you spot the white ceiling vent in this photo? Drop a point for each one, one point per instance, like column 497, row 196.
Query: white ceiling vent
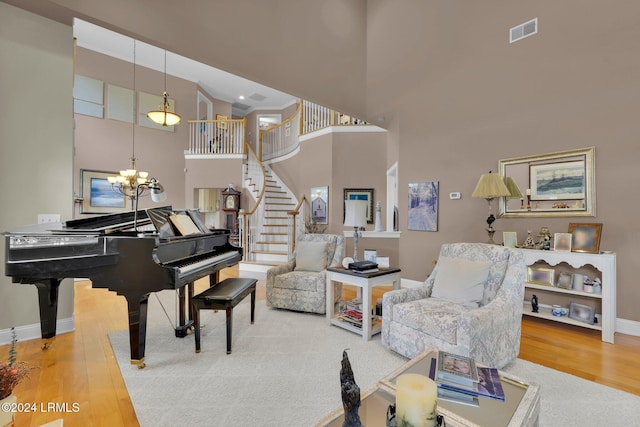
column 523, row 30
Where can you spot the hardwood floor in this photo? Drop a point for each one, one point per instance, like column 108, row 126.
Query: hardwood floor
column 80, row 367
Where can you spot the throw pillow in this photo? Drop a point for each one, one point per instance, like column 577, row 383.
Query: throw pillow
column 311, row 256
column 460, row 281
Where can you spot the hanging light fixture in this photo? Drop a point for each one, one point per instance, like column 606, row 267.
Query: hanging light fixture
column 163, row 115
column 131, row 182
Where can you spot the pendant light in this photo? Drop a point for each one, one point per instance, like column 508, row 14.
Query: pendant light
column 163, row 115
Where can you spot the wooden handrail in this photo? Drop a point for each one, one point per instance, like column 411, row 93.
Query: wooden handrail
column 264, row 181
column 294, row 213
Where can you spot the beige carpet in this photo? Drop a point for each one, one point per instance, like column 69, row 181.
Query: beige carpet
column 284, row 371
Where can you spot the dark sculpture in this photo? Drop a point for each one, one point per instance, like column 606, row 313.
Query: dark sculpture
column 350, row 394
column 534, row 303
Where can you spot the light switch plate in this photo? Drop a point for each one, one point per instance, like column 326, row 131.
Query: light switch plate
column 455, row 195
column 48, row 218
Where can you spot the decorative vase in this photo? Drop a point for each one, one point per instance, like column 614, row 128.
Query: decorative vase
column 6, row 417
column 378, row 216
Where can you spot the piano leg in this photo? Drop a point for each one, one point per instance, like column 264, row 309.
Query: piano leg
column 182, row 330
column 48, row 299
column 137, row 327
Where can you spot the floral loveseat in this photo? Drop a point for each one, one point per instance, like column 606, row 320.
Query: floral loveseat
column 300, row 284
column 471, row 304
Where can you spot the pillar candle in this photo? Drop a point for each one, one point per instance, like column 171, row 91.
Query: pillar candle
column 416, row 400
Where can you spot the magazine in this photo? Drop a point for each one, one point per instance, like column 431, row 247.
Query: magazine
column 456, row 369
column 450, row 395
column 489, row 385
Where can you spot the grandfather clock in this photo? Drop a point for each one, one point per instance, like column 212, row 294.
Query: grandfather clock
column 231, row 206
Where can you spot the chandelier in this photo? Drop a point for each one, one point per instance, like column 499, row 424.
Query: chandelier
column 131, row 182
column 163, row 115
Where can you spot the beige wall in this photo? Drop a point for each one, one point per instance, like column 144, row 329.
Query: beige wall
column 455, row 95
column 106, row 144
column 36, row 142
column 325, row 36
column 463, row 98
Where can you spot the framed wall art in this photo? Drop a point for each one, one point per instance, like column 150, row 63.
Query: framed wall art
column 320, row 204
column 585, row 237
column 558, row 181
column 98, row 196
column 556, row 184
column 223, row 124
column 422, row 209
column 360, row 194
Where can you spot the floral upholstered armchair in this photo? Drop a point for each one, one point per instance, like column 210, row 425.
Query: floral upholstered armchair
column 471, row 304
column 300, row 284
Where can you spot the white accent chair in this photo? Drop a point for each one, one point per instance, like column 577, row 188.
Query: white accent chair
column 300, row 284
column 471, row 304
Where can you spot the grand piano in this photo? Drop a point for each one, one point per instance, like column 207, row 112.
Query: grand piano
column 113, row 252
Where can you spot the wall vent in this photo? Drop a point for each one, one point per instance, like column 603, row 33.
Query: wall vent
column 522, row 31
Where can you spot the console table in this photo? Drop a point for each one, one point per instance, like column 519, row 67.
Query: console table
column 365, row 282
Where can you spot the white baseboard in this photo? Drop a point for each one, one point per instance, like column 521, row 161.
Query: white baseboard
column 30, row 332
column 628, row 327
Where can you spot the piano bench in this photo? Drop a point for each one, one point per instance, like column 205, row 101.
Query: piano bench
column 223, row 296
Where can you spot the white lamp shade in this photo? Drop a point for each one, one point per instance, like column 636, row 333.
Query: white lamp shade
column 355, row 213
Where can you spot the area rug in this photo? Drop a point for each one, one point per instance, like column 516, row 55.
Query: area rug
column 284, row 371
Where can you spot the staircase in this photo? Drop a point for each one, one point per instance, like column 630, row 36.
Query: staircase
column 272, row 239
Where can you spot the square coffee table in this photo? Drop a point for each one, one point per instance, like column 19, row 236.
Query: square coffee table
column 521, row 407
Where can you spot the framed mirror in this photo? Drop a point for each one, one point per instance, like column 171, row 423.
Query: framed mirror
column 554, row 184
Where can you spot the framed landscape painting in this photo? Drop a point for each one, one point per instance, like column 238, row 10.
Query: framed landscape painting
column 558, row 181
column 423, row 206
column 98, row 196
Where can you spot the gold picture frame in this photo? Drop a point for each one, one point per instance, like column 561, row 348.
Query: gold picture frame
column 540, row 276
column 221, row 125
column 585, row 237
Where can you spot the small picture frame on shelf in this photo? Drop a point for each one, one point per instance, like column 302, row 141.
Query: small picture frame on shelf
column 540, row 276
column 565, row 280
column 582, row 313
column 585, row 237
column 510, row 239
column 562, row 242
column 370, row 255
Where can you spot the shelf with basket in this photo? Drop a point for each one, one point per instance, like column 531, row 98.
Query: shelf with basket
column 593, row 306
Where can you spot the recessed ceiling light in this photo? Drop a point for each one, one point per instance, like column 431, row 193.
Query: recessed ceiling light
column 241, row 97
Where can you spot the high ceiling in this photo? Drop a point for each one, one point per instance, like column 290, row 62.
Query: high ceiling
column 218, row 84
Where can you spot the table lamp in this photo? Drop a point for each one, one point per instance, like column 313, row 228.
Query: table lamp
column 489, row 186
column 355, row 215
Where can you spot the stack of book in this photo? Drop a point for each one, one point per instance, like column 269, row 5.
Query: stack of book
column 353, row 314
column 363, row 267
column 460, row 380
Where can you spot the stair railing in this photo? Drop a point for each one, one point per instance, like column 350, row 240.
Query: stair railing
column 221, row 136
column 250, row 221
column 296, row 227
column 315, row 117
column 281, row 139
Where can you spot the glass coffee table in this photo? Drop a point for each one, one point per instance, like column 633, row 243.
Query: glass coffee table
column 521, row 407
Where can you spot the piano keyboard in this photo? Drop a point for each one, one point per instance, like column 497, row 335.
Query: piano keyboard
column 204, row 263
